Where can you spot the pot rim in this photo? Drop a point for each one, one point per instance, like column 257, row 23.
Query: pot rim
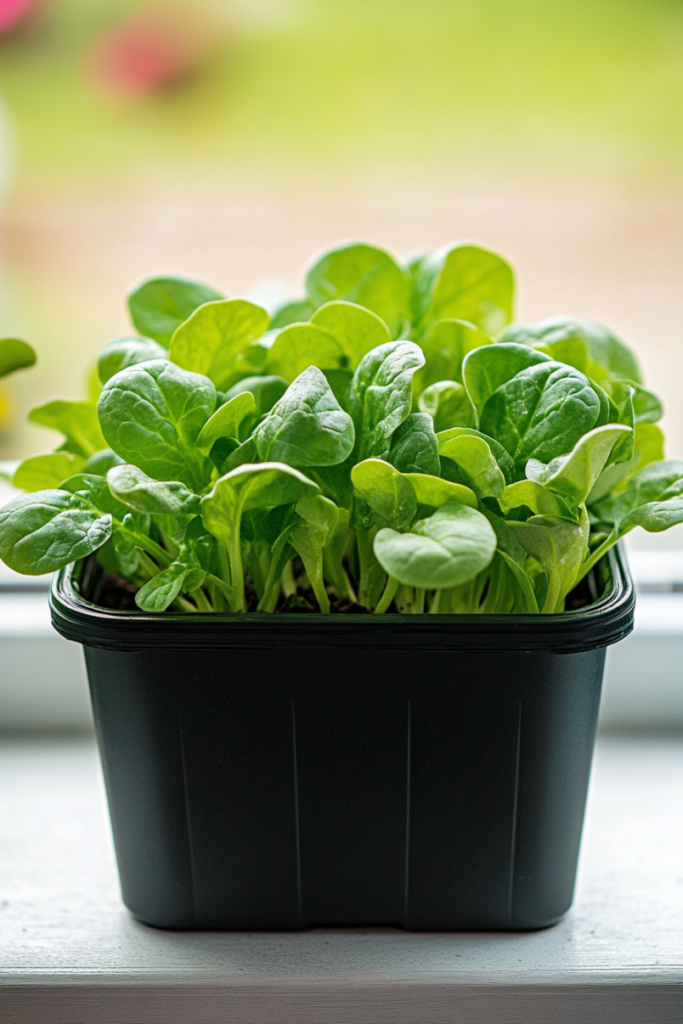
column 602, row 623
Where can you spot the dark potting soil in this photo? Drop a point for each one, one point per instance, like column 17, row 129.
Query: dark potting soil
column 118, row 594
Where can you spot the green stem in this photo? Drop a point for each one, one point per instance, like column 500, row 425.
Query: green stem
column 218, row 599
column 273, row 584
column 220, row 585
column 321, row 595
column 224, row 564
column 313, row 564
column 387, row 596
column 148, row 565
column 239, row 603
column 288, row 581
column 280, row 550
column 168, row 544
column 597, row 555
column 148, row 545
column 201, row 600
column 419, row 602
column 371, row 573
column 497, row 590
column 554, row 594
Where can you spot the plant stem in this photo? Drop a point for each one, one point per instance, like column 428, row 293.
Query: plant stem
column 239, row 603
column 371, row 572
column 273, row 582
column 168, row 544
column 597, row 555
column 419, row 602
column 148, row 565
column 148, row 545
column 218, row 599
column 220, row 585
column 223, row 564
column 313, row 564
column 553, row 594
column 201, row 600
column 387, row 596
column 288, row 581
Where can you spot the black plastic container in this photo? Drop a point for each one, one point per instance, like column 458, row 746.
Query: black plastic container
column 283, row 771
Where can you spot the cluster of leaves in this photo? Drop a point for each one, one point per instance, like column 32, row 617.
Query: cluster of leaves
column 388, row 442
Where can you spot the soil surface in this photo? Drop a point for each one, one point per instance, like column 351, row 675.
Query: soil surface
column 117, row 594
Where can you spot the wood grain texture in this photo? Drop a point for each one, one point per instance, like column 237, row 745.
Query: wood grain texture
column 71, row 954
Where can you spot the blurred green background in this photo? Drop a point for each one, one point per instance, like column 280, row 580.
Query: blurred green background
column 551, row 130
column 555, row 83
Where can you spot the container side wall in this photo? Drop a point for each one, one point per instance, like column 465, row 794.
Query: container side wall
column 137, row 724
column 238, row 742
column 465, row 714
column 560, row 713
column 352, row 754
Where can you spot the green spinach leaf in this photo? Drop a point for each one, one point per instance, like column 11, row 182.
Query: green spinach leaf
column 463, row 282
column 15, row 355
column 307, row 427
column 573, row 476
column 296, row 311
column 487, row 369
column 122, row 352
column 560, row 547
column 589, row 347
column 245, row 488
column 45, row 472
column 266, row 389
column 216, row 339
column 414, row 446
column 46, row 530
column 77, row 421
column 387, row 492
column 445, row 346
column 160, row 305
column 152, row 415
column 450, row 547
column 541, row 413
column 227, row 420
column 477, row 464
column 140, row 492
column 365, row 275
column 448, row 404
column 302, row 345
column 381, row 395
column 356, row 330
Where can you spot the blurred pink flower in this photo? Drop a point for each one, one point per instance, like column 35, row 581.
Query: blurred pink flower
column 147, row 51
column 12, row 11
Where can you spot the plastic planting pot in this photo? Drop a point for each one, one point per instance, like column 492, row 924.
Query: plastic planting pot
column 289, row 770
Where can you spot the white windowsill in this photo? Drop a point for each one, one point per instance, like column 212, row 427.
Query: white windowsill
column 71, row 954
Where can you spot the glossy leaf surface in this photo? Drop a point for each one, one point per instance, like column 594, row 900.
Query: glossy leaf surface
column 44, row 531
column 211, row 341
column 307, row 427
column 381, row 395
column 152, row 415
column 159, row 305
column 448, row 548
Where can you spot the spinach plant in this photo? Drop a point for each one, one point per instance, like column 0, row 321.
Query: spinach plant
column 389, row 441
